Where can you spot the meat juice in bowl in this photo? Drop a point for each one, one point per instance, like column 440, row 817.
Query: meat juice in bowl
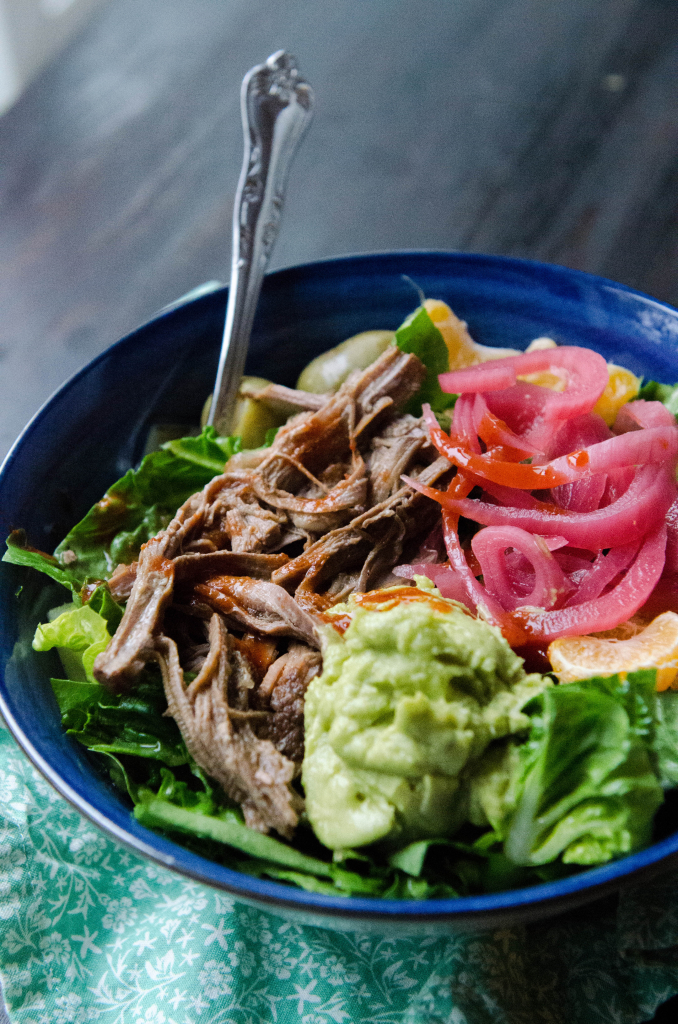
column 431, row 752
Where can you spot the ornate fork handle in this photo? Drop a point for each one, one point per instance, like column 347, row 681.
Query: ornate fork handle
column 276, row 105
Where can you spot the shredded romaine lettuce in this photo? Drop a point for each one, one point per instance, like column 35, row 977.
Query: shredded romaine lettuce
column 79, row 635
column 585, row 789
column 20, row 553
column 651, row 391
column 141, row 503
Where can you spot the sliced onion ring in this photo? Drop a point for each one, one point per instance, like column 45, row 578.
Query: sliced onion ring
column 550, row 586
column 585, row 371
column 638, row 510
column 605, row 612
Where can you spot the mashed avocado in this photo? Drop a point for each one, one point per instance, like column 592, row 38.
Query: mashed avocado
column 409, row 700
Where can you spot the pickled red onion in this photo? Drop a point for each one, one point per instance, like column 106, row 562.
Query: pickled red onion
column 553, row 476
column 493, row 431
column 639, row 414
column 672, row 538
column 605, row 612
column 475, row 596
column 583, row 495
column 636, row 448
column 463, row 425
column 509, row 495
column 577, row 433
column 638, row 510
column 550, row 586
column 585, row 371
column 603, row 571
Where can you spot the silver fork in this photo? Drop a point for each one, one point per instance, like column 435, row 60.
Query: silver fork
column 276, row 105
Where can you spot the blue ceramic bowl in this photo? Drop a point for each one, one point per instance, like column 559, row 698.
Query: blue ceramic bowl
column 95, row 427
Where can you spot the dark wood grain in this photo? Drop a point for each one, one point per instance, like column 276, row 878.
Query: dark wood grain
column 514, row 126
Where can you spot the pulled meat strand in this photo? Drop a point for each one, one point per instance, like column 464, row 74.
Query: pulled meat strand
column 255, row 604
column 197, row 566
column 282, row 690
column 357, row 553
column 133, row 643
column 228, row 511
column 250, row 770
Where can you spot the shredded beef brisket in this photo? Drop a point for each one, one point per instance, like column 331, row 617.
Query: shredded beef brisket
column 219, row 736
column 283, row 689
column 329, row 491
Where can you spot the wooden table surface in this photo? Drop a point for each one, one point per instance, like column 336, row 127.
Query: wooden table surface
column 530, row 127
column 538, row 128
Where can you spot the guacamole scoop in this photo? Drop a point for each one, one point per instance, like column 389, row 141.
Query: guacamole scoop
column 410, row 697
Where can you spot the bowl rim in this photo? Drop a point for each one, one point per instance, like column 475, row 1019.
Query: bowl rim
column 544, row 898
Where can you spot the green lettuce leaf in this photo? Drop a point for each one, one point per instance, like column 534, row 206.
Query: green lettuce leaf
column 586, row 789
column 132, row 724
column 114, row 730
column 202, row 820
column 412, row 857
column 473, row 867
column 101, row 601
column 665, row 742
column 208, row 450
column 119, row 773
column 79, row 635
column 311, row 883
column 76, row 629
column 141, row 504
column 226, row 827
column 76, row 693
column 420, row 336
column 373, row 880
column 174, row 806
column 19, row 553
column 651, row 391
column 385, row 884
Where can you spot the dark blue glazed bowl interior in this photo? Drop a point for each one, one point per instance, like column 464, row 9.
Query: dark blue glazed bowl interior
column 95, row 426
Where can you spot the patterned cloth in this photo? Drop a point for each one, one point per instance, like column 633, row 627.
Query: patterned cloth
column 91, row 932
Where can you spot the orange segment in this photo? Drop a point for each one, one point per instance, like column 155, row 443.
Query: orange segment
column 544, row 378
column 622, row 387
column 460, row 344
column 462, row 349
column 656, row 646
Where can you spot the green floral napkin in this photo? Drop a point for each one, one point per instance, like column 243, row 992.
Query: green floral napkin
column 91, row 932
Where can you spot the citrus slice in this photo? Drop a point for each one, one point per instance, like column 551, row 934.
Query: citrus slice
column 462, row 349
column 656, row 646
column 622, row 387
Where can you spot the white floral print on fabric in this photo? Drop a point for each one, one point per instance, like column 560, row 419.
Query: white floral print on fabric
column 12, row 861
column 215, row 979
column 92, row 933
column 119, row 914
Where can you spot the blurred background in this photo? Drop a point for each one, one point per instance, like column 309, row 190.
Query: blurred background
column 529, row 127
